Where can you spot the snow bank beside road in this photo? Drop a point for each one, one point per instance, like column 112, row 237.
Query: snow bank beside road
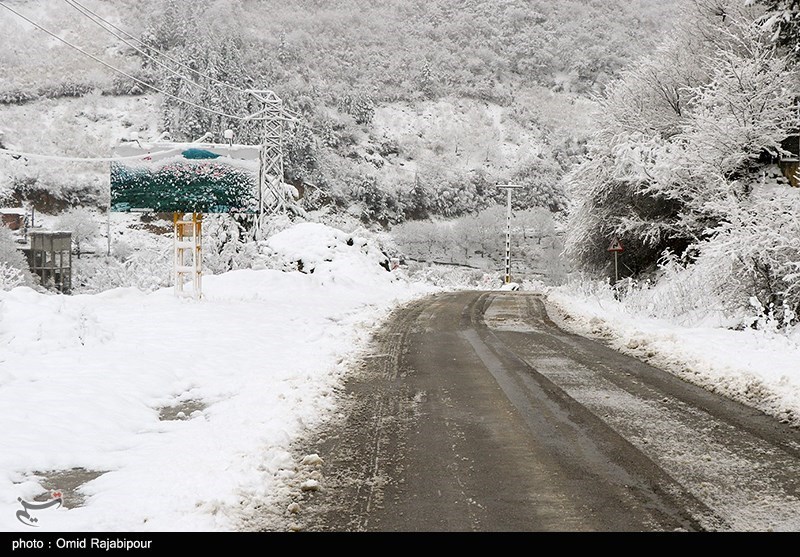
column 759, row 368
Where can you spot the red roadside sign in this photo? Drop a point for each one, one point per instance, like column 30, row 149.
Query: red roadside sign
column 616, row 245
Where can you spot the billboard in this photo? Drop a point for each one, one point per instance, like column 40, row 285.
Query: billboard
column 185, row 178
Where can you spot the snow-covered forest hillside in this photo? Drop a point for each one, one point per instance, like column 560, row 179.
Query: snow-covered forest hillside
column 692, row 165
column 408, row 111
column 664, row 125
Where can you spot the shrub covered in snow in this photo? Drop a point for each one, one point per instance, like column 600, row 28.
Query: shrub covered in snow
column 10, row 277
column 330, row 254
column 453, row 278
column 82, row 224
column 13, row 267
column 676, row 172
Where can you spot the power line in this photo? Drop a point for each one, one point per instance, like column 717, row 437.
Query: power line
column 136, row 79
column 80, row 8
column 75, row 4
column 17, row 154
column 288, row 114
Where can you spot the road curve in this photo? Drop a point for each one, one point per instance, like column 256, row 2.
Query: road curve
column 475, row 412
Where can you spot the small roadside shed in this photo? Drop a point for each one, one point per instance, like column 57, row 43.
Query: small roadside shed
column 50, row 258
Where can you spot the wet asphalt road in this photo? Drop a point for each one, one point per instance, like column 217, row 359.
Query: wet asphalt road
column 475, row 412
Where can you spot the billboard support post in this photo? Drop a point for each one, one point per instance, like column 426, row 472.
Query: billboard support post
column 188, row 254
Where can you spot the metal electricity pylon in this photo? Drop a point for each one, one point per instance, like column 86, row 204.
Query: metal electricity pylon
column 274, row 195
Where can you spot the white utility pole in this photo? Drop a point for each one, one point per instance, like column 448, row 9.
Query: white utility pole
column 508, row 188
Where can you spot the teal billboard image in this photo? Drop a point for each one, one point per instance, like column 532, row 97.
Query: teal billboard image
column 187, row 178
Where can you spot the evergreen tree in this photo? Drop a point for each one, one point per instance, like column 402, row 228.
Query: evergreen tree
column 782, row 17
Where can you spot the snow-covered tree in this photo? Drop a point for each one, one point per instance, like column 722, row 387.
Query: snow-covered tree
column 83, row 225
column 206, row 39
column 541, row 179
column 377, row 205
column 536, row 223
column 172, row 24
column 13, row 267
column 753, row 257
column 490, row 225
column 418, row 200
column 651, row 174
column 418, row 239
column 480, row 233
column 782, row 18
column 685, row 181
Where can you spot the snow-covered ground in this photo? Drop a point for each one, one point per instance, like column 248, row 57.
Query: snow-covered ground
column 181, row 413
column 154, row 413
column 760, row 368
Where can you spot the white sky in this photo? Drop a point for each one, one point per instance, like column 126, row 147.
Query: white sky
column 82, row 379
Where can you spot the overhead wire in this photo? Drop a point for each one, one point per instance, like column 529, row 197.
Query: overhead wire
column 17, row 154
column 99, row 21
column 83, row 9
column 126, row 74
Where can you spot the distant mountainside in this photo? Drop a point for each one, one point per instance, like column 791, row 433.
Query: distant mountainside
column 338, row 64
column 407, row 49
column 398, row 49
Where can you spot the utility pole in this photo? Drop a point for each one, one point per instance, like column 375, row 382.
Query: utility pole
column 508, row 188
